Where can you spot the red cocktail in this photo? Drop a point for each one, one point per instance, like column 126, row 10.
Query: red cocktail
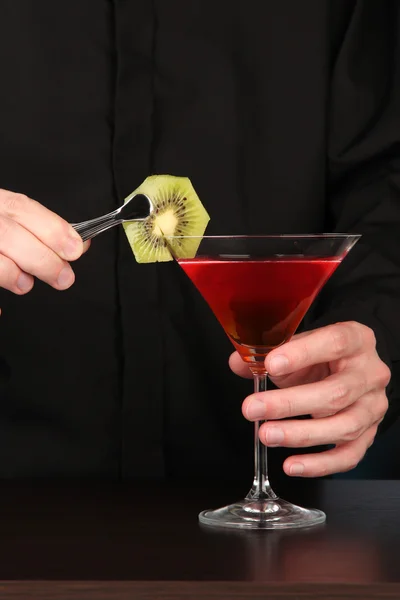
column 259, row 303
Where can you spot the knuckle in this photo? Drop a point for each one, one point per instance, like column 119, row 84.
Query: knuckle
column 49, row 264
column 12, row 203
column 288, row 407
column 303, row 355
column 369, row 336
column 45, row 258
column 354, row 429
column 339, row 337
column 339, row 397
column 383, row 375
column 383, row 405
column 341, row 364
column 61, row 228
column 304, row 438
column 365, row 333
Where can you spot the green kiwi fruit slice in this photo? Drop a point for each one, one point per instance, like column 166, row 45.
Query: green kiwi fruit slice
column 177, row 211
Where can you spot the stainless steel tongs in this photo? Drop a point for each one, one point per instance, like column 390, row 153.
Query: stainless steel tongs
column 137, row 208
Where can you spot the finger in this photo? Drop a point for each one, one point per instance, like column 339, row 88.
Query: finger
column 345, row 426
column 239, row 367
column 325, row 397
column 340, row 459
column 369, row 366
column 12, row 278
column 302, row 376
column 323, row 345
column 32, row 256
column 44, row 224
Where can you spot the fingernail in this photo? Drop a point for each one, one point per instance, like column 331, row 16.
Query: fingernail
column 24, row 282
column 72, row 248
column 274, row 436
column 256, row 410
column 278, row 365
column 65, row 278
column 296, row 469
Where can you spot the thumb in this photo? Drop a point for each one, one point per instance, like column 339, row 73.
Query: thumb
column 307, row 375
column 303, row 376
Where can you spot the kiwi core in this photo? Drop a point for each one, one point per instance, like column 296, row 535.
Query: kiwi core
column 165, row 223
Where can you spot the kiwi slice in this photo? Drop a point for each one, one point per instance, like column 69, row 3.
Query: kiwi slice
column 177, row 211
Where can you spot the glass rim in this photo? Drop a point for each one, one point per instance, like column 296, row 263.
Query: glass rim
column 288, row 236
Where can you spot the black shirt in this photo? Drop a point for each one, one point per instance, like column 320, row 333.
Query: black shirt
column 286, row 117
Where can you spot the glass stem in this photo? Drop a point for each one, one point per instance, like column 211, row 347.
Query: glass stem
column 261, row 488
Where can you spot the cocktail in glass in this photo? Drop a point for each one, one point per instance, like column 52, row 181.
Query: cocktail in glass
column 260, row 288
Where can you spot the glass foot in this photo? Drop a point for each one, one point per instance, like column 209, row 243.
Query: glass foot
column 262, row 514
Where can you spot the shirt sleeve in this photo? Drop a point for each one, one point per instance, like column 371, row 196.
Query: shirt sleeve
column 363, row 193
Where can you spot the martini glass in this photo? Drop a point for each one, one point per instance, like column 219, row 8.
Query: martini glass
column 260, row 288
